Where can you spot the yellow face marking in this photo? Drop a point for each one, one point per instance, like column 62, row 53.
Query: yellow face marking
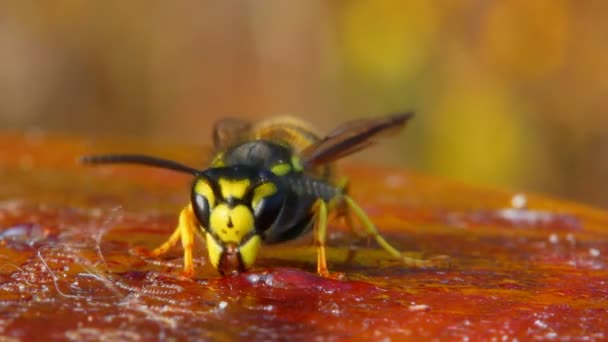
column 281, row 169
column 231, row 224
column 234, row 188
column 262, row 191
column 249, row 251
column 296, row 163
column 202, row 187
column 214, row 250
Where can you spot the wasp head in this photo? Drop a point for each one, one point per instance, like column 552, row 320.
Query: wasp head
column 235, row 205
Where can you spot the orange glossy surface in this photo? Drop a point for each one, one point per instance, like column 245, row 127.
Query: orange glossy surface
column 537, row 271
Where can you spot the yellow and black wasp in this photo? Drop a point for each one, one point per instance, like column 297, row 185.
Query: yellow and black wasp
column 268, row 182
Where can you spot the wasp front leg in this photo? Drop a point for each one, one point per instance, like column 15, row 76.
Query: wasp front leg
column 321, row 236
column 185, row 230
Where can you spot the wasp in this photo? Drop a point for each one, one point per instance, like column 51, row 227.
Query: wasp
column 268, row 182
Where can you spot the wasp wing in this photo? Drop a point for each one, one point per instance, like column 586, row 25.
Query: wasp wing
column 287, row 130
column 230, row 131
column 351, row 137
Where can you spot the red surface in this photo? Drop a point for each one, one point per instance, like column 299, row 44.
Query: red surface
column 67, row 270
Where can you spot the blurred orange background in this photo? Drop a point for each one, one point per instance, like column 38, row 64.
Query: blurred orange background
column 507, row 94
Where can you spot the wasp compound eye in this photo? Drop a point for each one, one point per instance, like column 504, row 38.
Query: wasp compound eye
column 203, row 200
column 266, row 202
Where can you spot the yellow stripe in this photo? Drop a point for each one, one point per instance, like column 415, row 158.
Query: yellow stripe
column 281, row 169
column 297, row 163
column 218, row 161
column 234, row 188
column 214, row 250
column 262, row 191
column 249, row 250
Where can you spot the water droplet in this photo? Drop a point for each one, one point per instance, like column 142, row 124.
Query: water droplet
column 519, row 201
column 222, row 305
column 553, row 238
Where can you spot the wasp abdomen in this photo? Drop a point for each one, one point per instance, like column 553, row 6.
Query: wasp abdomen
column 306, row 186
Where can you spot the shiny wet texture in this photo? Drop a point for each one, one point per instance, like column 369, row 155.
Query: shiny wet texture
column 532, row 271
column 230, row 261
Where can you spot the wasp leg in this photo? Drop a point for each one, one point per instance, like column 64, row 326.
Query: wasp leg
column 164, row 248
column 341, row 209
column 185, row 229
column 342, row 212
column 320, row 237
column 189, row 225
column 372, row 231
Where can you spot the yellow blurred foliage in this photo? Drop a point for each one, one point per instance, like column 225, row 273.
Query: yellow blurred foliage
column 472, row 124
column 510, row 93
column 387, row 39
column 525, row 39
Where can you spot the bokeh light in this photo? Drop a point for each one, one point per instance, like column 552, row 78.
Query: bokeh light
column 507, row 94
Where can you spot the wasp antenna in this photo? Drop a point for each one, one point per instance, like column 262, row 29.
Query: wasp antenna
column 138, row 159
column 402, row 117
